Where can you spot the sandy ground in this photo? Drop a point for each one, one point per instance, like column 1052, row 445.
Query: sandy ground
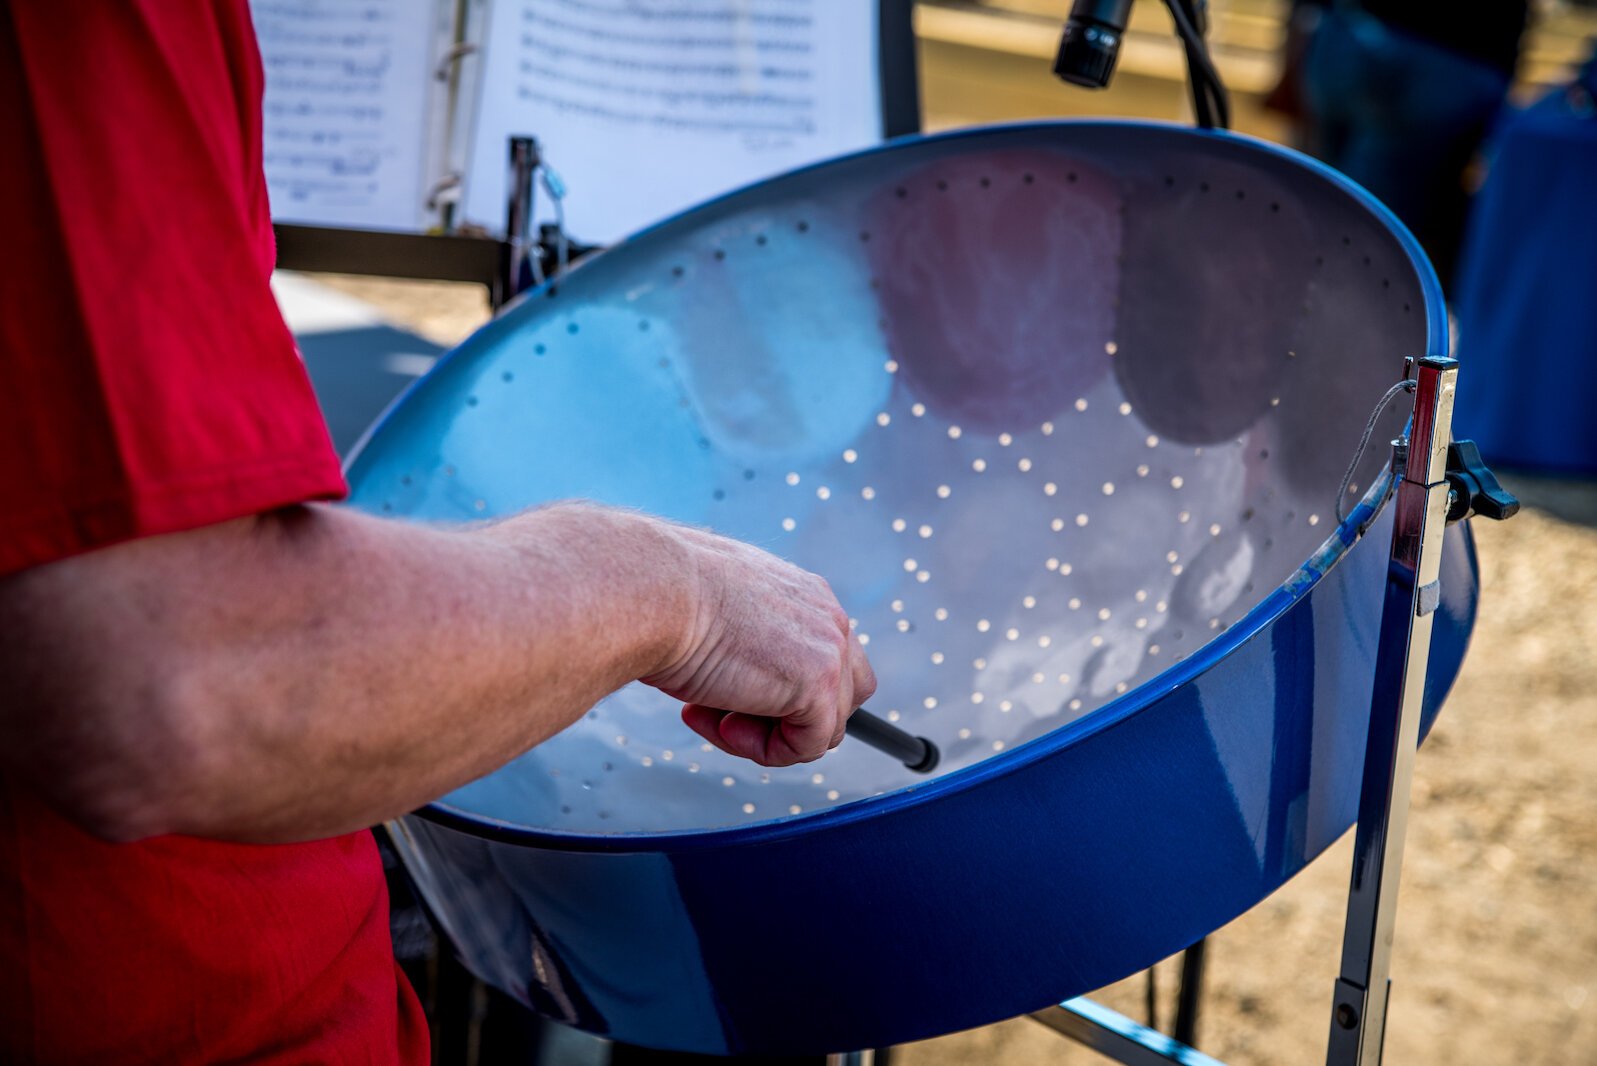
column 1496, row 957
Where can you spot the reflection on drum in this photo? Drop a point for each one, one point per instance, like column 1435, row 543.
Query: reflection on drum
column 1062, row 413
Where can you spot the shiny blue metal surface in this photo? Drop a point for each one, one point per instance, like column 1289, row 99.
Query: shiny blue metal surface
column 1060, row 410
column 1118, row 1037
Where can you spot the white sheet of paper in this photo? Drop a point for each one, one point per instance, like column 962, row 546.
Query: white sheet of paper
column 646, row 107
column 345, row 115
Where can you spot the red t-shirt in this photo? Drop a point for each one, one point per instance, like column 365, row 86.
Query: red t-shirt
column 148, row 385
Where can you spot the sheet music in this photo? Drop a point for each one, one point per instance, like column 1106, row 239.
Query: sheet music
column 345, row 124
column 645, row 107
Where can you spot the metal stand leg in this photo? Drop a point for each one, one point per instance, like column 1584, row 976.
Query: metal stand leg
column 1358, row 1025
column 1151, row 997
column 1190, row 994
column 523, row 163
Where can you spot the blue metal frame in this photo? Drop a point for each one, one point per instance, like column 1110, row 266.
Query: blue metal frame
column 1112, row 1034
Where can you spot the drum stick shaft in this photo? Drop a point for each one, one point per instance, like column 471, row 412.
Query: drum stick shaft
column 917, row 753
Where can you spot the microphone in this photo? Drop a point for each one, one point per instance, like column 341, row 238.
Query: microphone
column 1091, row 42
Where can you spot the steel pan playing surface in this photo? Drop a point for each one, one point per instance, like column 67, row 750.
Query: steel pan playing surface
column 1060, row 411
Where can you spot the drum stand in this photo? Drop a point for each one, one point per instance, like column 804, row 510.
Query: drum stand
column 1436, row 484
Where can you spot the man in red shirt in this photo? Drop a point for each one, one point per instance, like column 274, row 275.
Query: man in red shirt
column 210, row 682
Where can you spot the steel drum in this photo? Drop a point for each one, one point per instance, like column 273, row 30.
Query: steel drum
column 1061, row 411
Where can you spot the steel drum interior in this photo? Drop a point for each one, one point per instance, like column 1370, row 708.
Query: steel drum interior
column 1060, row 411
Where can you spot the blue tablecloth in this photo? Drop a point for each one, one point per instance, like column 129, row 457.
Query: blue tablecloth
column 1527, row 292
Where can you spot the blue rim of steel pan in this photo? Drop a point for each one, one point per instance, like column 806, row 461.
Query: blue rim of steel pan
column 791, row 844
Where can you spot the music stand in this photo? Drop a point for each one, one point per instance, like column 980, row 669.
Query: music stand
column 492, row 260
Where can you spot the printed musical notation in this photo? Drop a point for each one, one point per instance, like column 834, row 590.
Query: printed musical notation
column 647, row 107
column 345, row 125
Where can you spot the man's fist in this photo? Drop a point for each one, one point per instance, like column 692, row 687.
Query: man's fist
column 767, row 667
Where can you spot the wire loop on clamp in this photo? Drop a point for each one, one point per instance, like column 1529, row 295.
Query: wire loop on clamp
column 1406, row 385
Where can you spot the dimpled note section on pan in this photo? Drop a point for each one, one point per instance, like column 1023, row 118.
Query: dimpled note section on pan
column 998, row 282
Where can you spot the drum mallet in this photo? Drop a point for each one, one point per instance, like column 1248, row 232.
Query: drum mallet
column 917, row 753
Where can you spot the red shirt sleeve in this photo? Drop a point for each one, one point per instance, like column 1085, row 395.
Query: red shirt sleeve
column 148, row 383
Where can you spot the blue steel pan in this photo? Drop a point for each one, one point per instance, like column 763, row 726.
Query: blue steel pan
column 1061, row 411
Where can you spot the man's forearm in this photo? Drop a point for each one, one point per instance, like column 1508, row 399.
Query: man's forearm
column 314, row 671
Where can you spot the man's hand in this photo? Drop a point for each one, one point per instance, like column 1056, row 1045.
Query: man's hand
column 767, row 666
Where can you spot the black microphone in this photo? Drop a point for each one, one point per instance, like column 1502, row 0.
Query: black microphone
column 1091, row 42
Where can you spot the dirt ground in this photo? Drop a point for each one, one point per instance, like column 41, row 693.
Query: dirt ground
column 1496, row 956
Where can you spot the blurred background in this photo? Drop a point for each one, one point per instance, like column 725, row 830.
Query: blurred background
column 1496, row 957
column 989, row 60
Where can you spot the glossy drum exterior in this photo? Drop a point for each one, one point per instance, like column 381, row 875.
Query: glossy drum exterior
column 1185, row 331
